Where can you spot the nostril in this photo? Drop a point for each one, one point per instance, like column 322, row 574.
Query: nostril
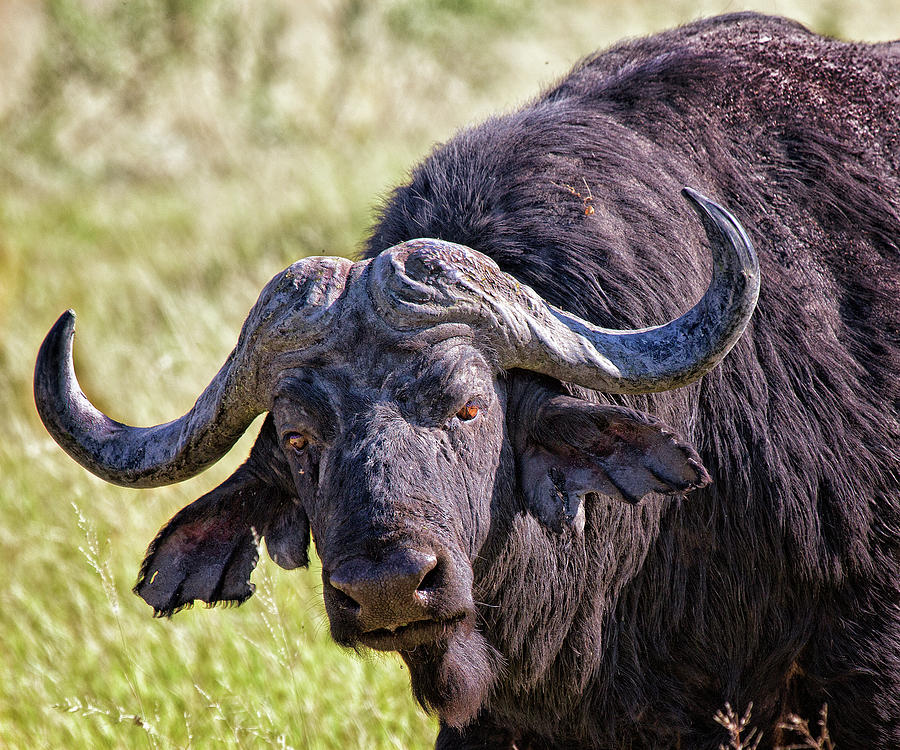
column 385, row 594
column 345, row 601
column 432, row 578
column 343, row 591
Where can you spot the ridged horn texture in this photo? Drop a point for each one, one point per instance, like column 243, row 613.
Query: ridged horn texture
column 412, row 286
column 294, row 311
column 425, row 282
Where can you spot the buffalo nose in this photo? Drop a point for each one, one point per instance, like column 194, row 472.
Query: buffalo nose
column 389, row 593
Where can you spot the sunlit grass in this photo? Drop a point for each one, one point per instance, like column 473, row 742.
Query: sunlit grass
column 159, row 162
column 91, row 668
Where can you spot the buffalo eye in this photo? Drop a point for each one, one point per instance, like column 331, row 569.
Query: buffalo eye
column 296, row 442
column 468, row 412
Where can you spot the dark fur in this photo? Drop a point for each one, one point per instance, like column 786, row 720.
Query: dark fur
column 548, row 615
column 778, row 584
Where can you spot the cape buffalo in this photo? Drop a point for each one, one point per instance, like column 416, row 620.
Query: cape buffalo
column 520, row 485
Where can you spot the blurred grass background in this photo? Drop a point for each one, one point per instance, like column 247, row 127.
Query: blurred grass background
column 160, row 160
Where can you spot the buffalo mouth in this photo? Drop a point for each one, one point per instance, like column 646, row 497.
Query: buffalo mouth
column 412, row 635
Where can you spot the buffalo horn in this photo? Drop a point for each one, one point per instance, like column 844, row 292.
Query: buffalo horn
column 292, row 311
column 423, row 282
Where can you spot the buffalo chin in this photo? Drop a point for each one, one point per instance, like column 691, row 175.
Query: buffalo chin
column 452, row 677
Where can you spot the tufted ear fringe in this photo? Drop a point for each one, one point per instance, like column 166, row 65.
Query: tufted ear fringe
column 209, row 549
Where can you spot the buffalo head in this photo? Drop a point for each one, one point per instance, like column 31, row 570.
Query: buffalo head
column 414, row 401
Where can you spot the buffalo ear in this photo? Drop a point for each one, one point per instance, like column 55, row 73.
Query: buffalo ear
column 575, row 447
column 208, row 550
column 287, row 538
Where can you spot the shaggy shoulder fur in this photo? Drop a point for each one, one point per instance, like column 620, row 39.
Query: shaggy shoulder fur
column 779, row 583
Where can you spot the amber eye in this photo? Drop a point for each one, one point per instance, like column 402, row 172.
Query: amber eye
column 296, row 442
column 469, row 411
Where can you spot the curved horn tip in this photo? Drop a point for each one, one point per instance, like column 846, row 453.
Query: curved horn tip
column 700, row 202
column 709, row 209
column 54, row 351
column 693, row 196
column 64, row 325
column 60, row 334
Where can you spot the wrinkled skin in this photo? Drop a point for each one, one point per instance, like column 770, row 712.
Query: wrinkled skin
column 378, row 450
column 400, row 475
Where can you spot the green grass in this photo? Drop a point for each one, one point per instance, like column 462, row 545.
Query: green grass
column 159, row 162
